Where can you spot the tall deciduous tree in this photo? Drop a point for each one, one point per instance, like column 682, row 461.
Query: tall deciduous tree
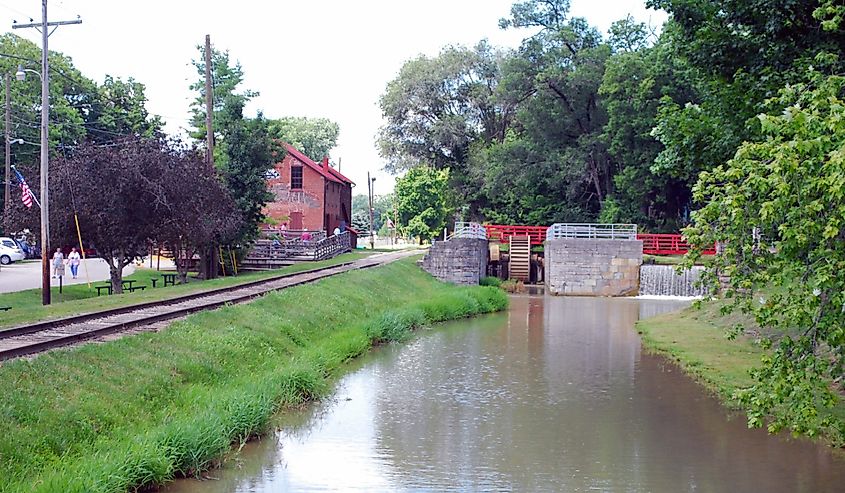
column 314, row 137
column 422, row 201
column 119, row 195
column 778, row 210
column 242, row 145
column 437, row 107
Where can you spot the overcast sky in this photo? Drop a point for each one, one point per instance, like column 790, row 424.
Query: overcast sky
column 315, row 58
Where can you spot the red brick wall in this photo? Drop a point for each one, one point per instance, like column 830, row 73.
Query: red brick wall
column 338, row 205
column 309, row 201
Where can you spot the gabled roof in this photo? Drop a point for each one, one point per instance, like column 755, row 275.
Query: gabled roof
column 325, row 170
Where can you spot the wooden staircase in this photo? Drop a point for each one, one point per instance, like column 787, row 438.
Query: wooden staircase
column 520, row 258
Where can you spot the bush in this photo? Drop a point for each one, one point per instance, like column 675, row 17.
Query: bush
column 490, row 281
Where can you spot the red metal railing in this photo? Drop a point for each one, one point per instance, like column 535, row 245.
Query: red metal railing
column 653, row 244
column 502, row 233
column 667, row 244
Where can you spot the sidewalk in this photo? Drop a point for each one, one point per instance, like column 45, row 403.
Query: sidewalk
column 27, row 274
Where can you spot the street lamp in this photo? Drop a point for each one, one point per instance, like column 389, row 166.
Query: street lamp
column 45, row 149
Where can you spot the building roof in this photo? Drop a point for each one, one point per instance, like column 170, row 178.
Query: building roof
column 325, row 170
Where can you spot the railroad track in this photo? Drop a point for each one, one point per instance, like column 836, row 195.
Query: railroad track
column 42, row 336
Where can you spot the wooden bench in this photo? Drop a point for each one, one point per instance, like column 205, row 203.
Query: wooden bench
column 5, row 308
column 106, row 287
column 154, row 280
column 136, row 288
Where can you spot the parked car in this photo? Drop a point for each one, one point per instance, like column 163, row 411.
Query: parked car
column 10, row 251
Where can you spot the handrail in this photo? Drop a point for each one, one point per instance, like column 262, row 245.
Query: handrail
column 468, row 230
column 667, row 244
column 502, row 233
column 592, row 231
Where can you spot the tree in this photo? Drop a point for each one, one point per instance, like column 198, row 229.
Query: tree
column 777, row 209
column 739, row 54
column 120, row 204
column 119, row 110
column 422, row 201
column 382, row 210
column 314, row 137
column 199, row 211
column 437, row 107
column 635, row 85
column 226, row 79
column 242, row 150
column 248, row 158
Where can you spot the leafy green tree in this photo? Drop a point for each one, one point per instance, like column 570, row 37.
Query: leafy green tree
column 120, row 110
column 248, row 157
column 422, row 201
column 226, row 79
column 740, row 53
column 314, row 137
column 777, row 209
column 382, row 209
column 242, row 151
column 553, row 165
column 635, row 85
column 437, row 107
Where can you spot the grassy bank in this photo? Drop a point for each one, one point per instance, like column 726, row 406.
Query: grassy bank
column 144, row 409
column 79, row 298
column 696, row 340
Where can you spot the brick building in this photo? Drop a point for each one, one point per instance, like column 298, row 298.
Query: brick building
column 308, row 195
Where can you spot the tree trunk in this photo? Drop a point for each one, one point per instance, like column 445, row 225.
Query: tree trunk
column 116, row 272
column 208, row 263
column 181, row 258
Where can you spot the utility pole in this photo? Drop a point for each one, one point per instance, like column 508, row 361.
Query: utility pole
column 7, row 201
column 370, row 197
column 45, row 147
column 209, row 263
column 209, row 102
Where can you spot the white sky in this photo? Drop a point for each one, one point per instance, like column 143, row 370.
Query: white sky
column 317, row 58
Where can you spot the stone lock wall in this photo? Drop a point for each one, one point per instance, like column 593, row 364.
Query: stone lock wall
column 459, row 260
column 593, row 267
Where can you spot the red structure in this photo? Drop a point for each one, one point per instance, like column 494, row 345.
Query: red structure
column 307, row 195
column 667, row 244
column 503, row 233
column 653, row 244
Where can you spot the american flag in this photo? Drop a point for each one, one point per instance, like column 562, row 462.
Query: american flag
column 26, row 194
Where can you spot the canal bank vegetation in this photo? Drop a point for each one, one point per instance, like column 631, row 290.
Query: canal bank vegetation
column 141, row 410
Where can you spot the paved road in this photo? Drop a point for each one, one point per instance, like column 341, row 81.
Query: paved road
column 27, row 275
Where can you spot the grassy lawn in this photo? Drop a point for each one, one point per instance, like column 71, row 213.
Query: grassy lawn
column 696, row 339
column 140, row 410
column 79, row 298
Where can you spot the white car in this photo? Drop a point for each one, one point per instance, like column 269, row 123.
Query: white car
column 10, row 251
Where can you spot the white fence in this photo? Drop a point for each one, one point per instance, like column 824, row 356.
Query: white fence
column 469, row 230
column 592, row 231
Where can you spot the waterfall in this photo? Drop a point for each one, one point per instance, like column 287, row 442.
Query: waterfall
column 662, row 280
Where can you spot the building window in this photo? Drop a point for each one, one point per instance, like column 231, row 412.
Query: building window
column 296, row 177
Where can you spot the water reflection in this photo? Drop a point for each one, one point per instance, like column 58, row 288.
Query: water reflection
column 553, row 396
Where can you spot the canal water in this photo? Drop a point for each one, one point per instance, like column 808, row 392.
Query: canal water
column 554, row 395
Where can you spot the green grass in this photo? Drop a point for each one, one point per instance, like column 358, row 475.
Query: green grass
column 696, row 339
column 79, row 298
column 138, row 411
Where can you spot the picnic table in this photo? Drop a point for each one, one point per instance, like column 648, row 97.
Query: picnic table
column 168, row 279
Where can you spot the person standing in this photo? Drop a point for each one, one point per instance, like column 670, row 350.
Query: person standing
column 58, row 263
column 73, row 260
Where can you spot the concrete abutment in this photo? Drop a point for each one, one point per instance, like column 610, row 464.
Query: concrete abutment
column 593, row 267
